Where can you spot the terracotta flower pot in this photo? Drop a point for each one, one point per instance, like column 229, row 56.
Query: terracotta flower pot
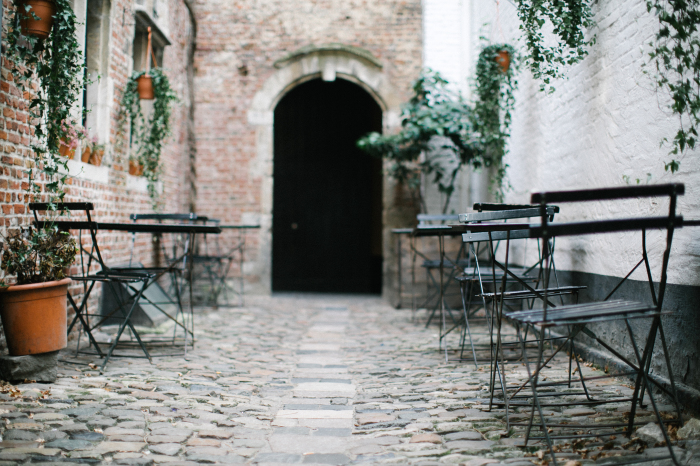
column 34, row 317
column 135, row 169
column 64, row 149
column 85, row 157
column 503, row 60
column 145, row 87
column 44, row 10
column 96, row 157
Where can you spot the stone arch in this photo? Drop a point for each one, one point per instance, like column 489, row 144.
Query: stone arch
column 328, row 63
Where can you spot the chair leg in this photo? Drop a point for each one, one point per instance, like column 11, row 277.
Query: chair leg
column 533, row 377
column 127, row 321
column 645, row 377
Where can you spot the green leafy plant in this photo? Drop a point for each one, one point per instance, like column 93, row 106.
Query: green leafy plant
column 38, row 255
column 56, row 65
column 494, row 102
column 436, row 139
column 147, row 134
column 676, row 56
column 569, row 19
column 48, row 75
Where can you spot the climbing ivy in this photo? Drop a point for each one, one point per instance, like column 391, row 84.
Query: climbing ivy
column 676, row 56
column 494, row 87
column 56, row 65
column 147, row 135
column 569, row 19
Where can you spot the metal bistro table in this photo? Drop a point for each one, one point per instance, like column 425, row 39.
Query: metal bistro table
column 217, row 264
column 181, row 264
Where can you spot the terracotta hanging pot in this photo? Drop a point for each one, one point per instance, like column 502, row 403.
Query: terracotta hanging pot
column 503, row 60
column 145, row 87
column 34, row 317
column 44, row 10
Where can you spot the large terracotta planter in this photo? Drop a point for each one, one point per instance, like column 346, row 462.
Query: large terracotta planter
column 145, row 87
column 34, row 317
column 44, row 10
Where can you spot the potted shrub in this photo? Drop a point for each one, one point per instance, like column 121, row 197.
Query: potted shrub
column 33, row 310
column 147, row 134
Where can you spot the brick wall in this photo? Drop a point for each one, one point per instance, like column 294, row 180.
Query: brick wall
column 237, row 46
column 116, row 194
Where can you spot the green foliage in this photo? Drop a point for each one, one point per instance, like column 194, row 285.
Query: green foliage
column 676, row 55
column 148, row 135
column 48, row 73
column 433, row 111
column 37, row 256
column 56, row 64
column 568, row 19
column 493, row 107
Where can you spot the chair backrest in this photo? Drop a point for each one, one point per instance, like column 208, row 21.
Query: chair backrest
column 86, row 207
column 666, row 222
column 670, row 221
column 430, row 219
column 496, row 212
column 489, row 207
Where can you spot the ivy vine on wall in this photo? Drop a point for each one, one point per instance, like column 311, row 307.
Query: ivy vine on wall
column 56, row 65
column 494, row 86
column 147, row 134
column 569, row 19
column 676, row 56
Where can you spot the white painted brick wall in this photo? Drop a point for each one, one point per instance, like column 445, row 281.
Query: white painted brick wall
column 604, row 122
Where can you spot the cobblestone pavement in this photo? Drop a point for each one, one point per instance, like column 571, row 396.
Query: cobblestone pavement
column 291, row 379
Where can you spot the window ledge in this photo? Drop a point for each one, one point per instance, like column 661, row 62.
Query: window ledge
column 86, row 171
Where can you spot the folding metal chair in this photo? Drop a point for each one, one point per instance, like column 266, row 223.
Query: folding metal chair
column 477, row 276
column 216, row 264
column 132, row 282
column 573, row 320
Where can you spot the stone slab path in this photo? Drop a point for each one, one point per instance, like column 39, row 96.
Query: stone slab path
column 288, row 380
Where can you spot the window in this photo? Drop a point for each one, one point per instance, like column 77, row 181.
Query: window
column 95, row 94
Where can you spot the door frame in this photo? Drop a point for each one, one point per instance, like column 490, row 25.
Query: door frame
column 325, row 62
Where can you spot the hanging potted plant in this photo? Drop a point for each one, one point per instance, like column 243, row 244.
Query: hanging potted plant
column 147, row 135
column 35, row 301
column 36, row 17
column 144, row 83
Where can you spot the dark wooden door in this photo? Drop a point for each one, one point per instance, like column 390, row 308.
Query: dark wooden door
column 326, row 227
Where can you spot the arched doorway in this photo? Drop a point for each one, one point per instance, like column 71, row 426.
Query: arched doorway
column 327, row 195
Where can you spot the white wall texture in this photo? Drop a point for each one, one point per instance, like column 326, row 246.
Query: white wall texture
column 604, row 122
